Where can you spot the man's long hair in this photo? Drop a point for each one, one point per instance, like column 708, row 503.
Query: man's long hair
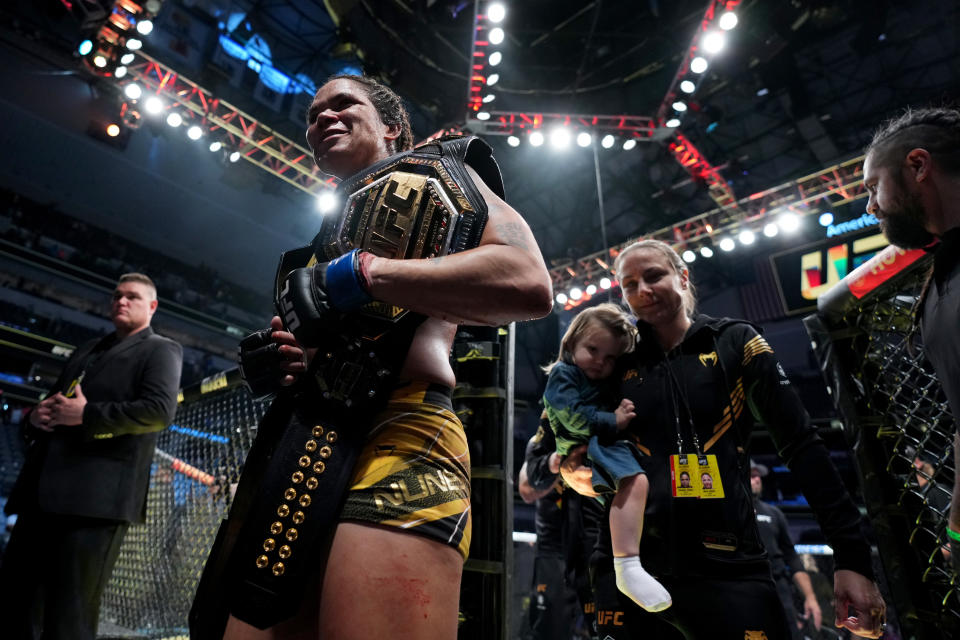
column 935, row 129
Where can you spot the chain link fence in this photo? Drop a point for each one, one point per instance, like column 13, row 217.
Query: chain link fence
column 900, row 429
column 195, row 467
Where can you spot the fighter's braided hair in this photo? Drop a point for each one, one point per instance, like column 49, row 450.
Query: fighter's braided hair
column 388, row 105
column 935, row 129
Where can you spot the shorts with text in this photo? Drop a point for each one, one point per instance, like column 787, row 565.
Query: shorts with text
column 414, row 470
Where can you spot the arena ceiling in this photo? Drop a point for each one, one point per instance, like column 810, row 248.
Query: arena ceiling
column 800, row 86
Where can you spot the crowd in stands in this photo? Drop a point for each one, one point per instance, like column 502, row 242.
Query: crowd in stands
column 45, row 229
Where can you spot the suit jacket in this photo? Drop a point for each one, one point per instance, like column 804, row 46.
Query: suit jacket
column 101, row 468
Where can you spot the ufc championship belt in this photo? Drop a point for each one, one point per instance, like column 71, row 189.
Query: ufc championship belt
column 416, row 204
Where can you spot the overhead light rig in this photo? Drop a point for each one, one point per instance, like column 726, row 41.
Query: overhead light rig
column 234, row 129
column 700, row 168
column 628, row 130
column 781, row 208
column 506, row 123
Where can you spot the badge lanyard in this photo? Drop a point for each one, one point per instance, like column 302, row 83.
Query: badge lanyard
column 675, row 383
column 691, row 480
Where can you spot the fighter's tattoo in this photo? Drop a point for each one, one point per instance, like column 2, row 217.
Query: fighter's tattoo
column 513, row 235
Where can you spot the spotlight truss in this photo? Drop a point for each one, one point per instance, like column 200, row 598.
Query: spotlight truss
column 505, row 123
column 710, row 18
column 258, row 143
column 640, row 128
column 700, row 168
column 809, row 195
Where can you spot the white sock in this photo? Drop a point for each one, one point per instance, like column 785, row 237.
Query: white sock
column 639, row 585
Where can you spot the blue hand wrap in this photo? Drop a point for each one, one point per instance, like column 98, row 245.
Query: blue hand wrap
column 344, row 284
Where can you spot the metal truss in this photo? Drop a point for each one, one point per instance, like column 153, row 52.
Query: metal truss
column 714, row 9
column 700, row 168
column 640, row 128
column 808, row 195
column 257, row 143
column 504, row 123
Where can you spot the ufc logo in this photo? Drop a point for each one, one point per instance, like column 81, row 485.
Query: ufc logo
column 614, row 618
column 290, row 318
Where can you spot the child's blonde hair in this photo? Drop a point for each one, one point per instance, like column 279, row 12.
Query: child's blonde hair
column 607, row 315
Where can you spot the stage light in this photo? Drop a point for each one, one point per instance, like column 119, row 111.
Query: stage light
column 492, row 79
column 133, row 44
column 584, row 139
column 673, row 123
column 174, row 119
column 727, row 244
column 728, row 20
column 591, row 289
column 698, row 64
column 113, row 130
column 487, row 99
column 120, row 72
column 747, row 237
column 144, row 27
column 536, row 138
column 133, row 91
column 826, row 219
column 605, row 283
column 629, row 144
column 495, row 58
column 326, row 202
column 513, row 141
column 608, row 141
column 496, row 35
column 687, row 86
column 762, row 92
column 127, row 58
column 789, row 222
column 560, row 138
column 483, row 115
column 714, row 42
column 99, row 61
column 131, row 117
column 561, row 298
column 153, row 105
column 496, row 12
column 575, row 293
column 771, row 229
column 234, row 156
column 689, row 256
column 706, row 251
column 85, row 47
column 194, row 132
column 679, row 106
column 216, row 146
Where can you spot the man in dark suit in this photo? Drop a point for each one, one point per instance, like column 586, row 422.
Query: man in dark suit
column 87, row 471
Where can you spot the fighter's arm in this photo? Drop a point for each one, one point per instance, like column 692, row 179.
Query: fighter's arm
column 773, row 401
column 502, row 280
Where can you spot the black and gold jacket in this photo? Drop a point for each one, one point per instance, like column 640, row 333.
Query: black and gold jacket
column 720, row 380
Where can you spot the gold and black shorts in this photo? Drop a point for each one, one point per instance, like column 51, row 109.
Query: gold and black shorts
column 414, row 470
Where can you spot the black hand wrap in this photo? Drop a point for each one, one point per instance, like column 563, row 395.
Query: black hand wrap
column 259, row 359
column 313, row 299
